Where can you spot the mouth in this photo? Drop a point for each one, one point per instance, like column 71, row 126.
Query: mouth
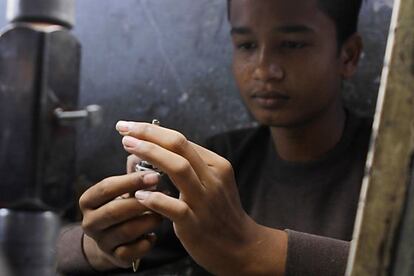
column 270, row 99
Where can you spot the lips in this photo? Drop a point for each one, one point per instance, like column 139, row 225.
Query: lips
column 270, row 99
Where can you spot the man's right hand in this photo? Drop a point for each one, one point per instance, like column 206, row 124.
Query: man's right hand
column 116, row 225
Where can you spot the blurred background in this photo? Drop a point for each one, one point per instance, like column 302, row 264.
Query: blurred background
column 170, row 60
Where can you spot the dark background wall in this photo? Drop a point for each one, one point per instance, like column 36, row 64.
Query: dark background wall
column 170, row 59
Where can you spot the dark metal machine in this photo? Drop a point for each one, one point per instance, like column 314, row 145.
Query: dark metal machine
column 39, row 88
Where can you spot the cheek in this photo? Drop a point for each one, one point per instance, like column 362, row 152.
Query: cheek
column 327, row 76
column 242, row 73
column 314, row 82
column 316, row 72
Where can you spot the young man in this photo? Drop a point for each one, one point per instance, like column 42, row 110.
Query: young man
column 283, row 199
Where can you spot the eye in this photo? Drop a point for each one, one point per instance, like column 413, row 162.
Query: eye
column 246, row 46
column 293, row 44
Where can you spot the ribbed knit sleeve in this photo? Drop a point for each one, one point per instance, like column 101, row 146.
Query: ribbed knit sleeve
column 315, row 255
column 70, row 257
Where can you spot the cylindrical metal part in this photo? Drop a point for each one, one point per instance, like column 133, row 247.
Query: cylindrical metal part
column 39, row 73
column 61, row 12
column 27, row 241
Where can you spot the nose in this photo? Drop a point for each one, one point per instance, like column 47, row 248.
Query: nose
column 268, row 68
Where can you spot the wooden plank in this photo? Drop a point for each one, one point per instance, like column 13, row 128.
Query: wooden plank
column 387, row 177
column 403, row 264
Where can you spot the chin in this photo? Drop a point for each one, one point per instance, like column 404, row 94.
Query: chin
column 272, row 122
column 281, row 121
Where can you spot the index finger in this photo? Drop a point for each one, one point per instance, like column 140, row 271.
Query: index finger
column 110, row 188
column 169, row 139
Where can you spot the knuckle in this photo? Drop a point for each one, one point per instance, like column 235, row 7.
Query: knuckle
column 83, row 202
column 127, row 253
column 123, row 254
column 146, row 148
column 182, row 167
column 183, row 212
column 225, row 169
column 145, row 129
column 104, row 187
column 87, row 226
column 178, row 143
column 226, row 165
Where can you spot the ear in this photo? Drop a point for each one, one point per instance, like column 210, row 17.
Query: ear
column 349, row 55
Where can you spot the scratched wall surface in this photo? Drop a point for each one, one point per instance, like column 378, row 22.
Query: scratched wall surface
column 170, row 59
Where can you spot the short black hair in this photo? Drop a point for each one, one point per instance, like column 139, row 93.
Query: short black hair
column 344, row 13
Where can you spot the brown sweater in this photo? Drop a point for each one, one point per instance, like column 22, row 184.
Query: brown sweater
column 314, row 201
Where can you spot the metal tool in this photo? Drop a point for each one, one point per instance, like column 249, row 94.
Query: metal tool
column 145, row 165
column 39, row 86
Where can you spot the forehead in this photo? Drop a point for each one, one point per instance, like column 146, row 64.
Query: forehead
column 271, row 13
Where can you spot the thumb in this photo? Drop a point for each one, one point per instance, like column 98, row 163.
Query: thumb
column 169, row 207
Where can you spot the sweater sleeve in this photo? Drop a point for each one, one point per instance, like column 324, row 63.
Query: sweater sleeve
column 315, row 255
column 70, row 257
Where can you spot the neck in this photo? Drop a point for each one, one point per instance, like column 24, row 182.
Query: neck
column 313, row 139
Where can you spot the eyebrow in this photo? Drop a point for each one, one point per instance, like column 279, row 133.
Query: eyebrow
column 286, row 29
column 240, row 31
column 293, row 29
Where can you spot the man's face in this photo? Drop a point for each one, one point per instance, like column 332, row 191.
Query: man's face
column 285, row 60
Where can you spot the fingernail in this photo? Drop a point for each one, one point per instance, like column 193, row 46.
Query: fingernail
column 130, row 142
column 142, row 195
column 122, row 126
column 151, row 178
